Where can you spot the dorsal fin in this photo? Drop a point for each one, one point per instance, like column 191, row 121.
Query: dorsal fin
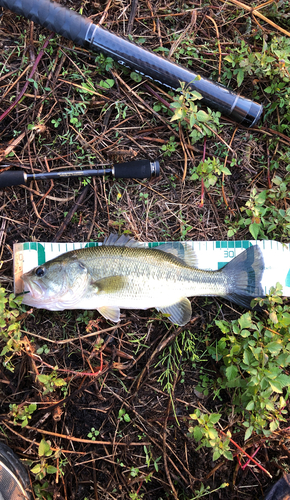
column 181, row 250
column 121, row 241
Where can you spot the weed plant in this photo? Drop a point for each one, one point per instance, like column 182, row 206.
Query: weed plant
column 173, row 358
column 263, row 214
column 186, row 111
column 252, row 356
column 10, row 335
column 272, row 61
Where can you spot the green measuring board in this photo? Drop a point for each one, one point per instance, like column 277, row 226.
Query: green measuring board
column 211, row 255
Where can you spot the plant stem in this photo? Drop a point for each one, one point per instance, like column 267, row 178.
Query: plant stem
column 245, row 453
column 27, row 82
column 202, row 181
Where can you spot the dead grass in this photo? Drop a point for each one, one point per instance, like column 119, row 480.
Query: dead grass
column 39, row 135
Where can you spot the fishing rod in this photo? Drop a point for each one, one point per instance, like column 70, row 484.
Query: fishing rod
column 138, row 169
column 83, row 32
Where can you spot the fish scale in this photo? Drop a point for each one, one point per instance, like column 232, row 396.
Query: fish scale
column 155, row 268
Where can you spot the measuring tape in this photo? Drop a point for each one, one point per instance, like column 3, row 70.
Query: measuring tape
column 211, row 255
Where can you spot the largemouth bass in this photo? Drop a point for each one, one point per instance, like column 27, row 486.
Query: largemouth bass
column 122, row 275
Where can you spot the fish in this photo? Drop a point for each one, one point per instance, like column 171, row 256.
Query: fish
column 120, row 274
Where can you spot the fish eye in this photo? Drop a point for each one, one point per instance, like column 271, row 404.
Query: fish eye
column 40, row 271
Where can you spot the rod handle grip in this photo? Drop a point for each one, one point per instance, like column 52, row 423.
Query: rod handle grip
column 138, row 169
column 12, row 178
column 53, row 16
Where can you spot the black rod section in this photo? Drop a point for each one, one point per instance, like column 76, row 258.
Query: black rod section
column 138, row 169
column 83, row 32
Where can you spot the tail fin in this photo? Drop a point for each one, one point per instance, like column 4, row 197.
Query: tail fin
column 244, row 275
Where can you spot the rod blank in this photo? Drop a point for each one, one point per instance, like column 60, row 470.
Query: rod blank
column 83, row 32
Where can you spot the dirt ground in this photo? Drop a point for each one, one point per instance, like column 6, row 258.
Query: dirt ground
column 127, row 385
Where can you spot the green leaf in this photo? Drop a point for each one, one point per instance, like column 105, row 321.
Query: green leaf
column 283, row 379
column 210, row 181
column 231, row 372
column 196, row 95
column 273, row 317
column 50, row 469
column 245, row 333
column 202, row 116
column 250, row 406
column 25, row 422
column 136, row 77
column 89, row 88
column 285, row 320
column 216, row 455
column 44, row 448
column 274, row 425
column 230, row 59
column 36, row 469
column 270, row 406
column 247, row 357
column 254, row 229
column 178, row 114
column 212, row 433
column 107, row 84
column 245, row 321
column 276, row 386
column 197, row 433
column 161, row 49
column 225, row 170
column 214, row 418
column 274, row 347
column 59, row 382
column 192, row 119
column 249, row 432
column 195, row 415
column 240, row 77
column 228, row 454
column 223, row 326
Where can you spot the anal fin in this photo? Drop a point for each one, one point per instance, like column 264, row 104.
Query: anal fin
column 110, row 312
column 179, row 313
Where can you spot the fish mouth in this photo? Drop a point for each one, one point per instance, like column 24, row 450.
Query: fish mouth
column 34, row 289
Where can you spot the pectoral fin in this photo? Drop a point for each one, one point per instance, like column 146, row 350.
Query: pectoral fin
column 179, row 313
column 111, row 284
column 110, row 312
